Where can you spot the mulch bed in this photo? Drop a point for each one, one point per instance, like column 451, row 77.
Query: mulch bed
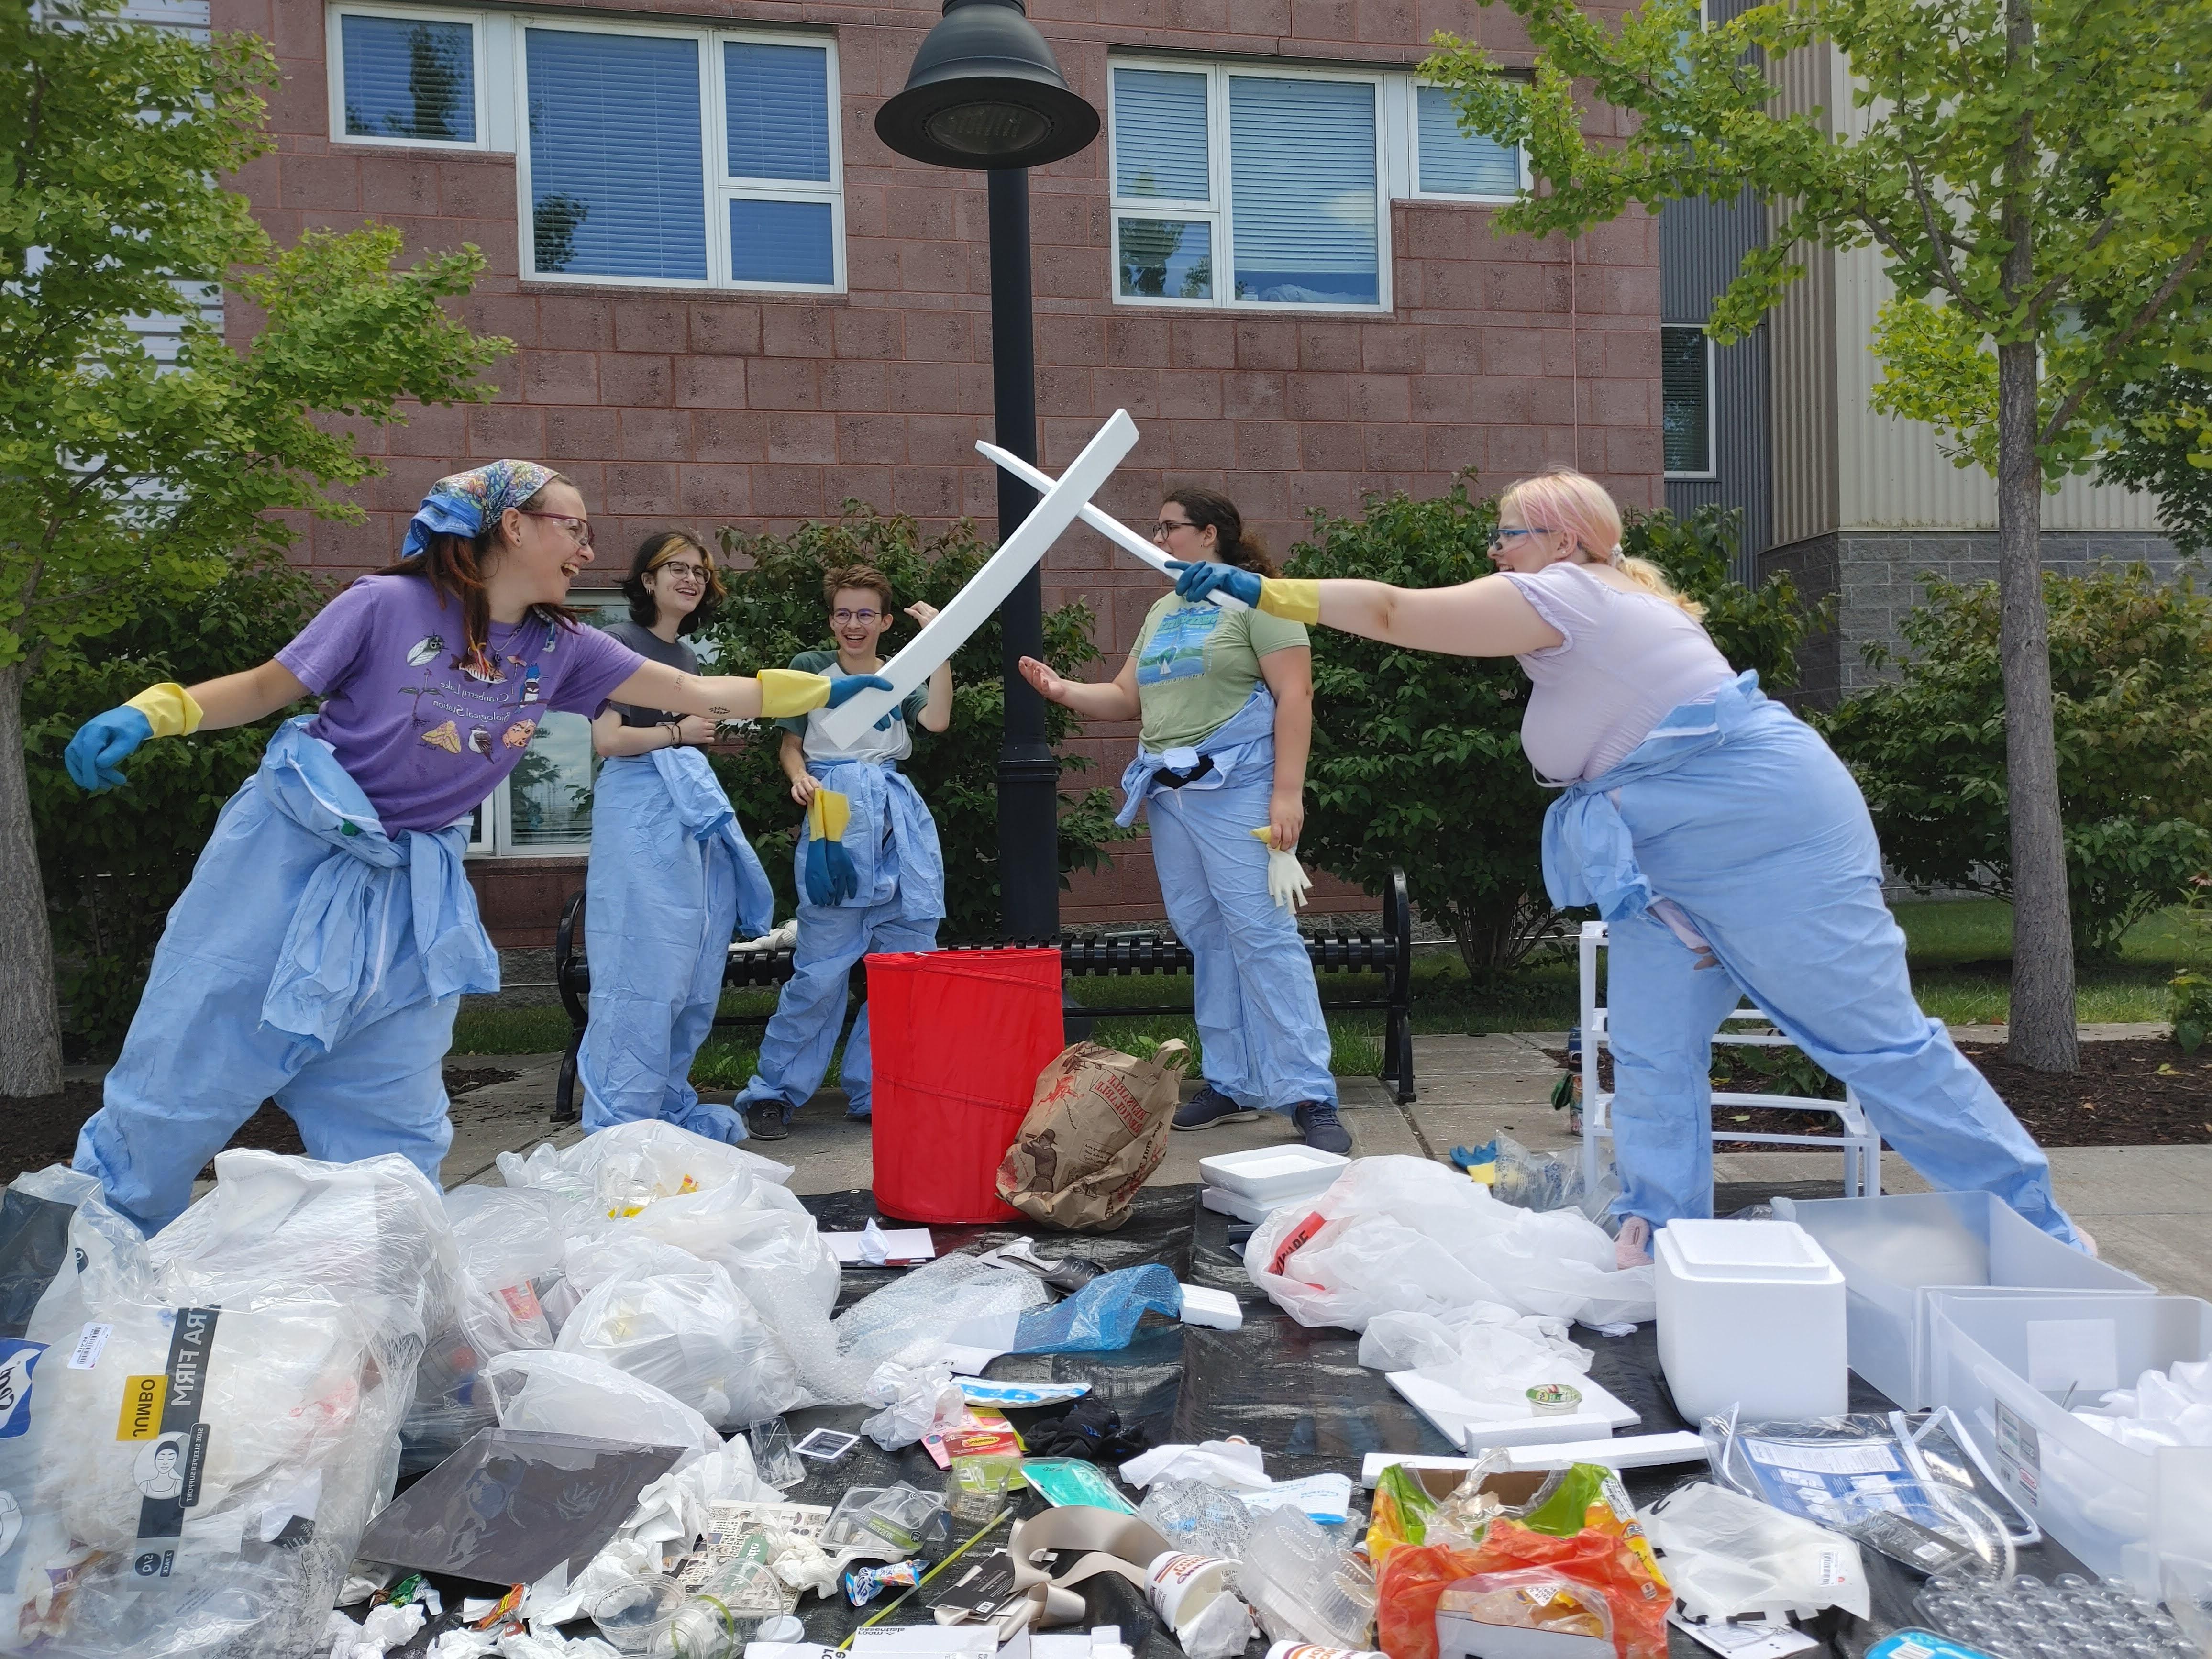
column 2138, row 1091
column 41, row 1129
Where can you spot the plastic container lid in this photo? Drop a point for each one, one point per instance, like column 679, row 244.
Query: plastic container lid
column 1762, row 1250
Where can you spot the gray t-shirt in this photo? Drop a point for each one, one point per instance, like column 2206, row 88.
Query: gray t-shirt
column 649, row 645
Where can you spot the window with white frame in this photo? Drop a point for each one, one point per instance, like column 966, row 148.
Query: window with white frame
column 679, row 156
column 1258, row 187
column 1686, row 381
column 399, row 76
column 644, row 153
column 1458, row 166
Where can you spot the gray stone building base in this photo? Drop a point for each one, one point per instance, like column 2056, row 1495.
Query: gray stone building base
column 1876, row 577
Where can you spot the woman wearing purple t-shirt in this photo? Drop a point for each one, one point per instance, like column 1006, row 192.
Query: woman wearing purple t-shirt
column 1727, row 848
column 321, row 949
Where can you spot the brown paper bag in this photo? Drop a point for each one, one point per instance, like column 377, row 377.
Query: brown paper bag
column 1095, row 1131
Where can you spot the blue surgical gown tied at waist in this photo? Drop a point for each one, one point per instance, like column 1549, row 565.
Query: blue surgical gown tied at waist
column 334, row 953
column 1244, row 741
column 890, row 837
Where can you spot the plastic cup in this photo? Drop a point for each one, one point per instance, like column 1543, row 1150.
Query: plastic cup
column 772, row 1456
column 633, row 1618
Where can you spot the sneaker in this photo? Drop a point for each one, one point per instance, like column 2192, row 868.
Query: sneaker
column 764, row 1119
column 1324, row 1131
column 1209, row 1109
column 859, row 1113
column 1632, row 1248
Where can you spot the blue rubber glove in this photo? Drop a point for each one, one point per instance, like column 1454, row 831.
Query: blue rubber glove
column 96, row 753
column 1194, row 581
column 898, row 713
column 831, row 878
column 842, row 686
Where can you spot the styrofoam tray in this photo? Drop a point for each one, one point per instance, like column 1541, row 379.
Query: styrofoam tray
column 1469, row 1423
column 1273, row 1174
column 1222, row 1199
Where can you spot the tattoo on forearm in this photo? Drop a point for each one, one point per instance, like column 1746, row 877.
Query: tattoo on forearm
column 722, row 709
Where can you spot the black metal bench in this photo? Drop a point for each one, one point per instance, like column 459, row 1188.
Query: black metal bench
column 1082, row 957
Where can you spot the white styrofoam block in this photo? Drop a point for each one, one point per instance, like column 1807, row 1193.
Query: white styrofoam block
column 1216, row 1309
column 1752, row 1318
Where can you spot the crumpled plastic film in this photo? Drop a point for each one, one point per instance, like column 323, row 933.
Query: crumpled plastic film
column 1103, row 1314
column 1403, row 1235
column 1485, row 1352
column 575, row 1394
column 915, row 1400
column 198, row 1485
column 692, row 1335
column 912, row 1318
column 616, row 1173
column 508, row 1244
column 1727, row 1555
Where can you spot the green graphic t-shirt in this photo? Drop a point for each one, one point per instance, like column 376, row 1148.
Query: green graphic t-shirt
column 1197, row 666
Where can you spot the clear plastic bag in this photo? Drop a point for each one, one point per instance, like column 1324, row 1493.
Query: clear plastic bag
column 691, row 1334
column 573, row 1393
column 617, row 1172
column 911, row 1319
column 1103, row 1314
column 1403, row 1235
column 1198, row 1517
column 257, row 1356
column 914, row 1400
column 1486, row 1352
column 1727, row 1555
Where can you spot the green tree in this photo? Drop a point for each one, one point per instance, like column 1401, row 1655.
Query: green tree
column 1417, row 759
column 114, row 863
column 2034, row 170
column 2131, row 702
column 2164, row 445
column 774, row 611
column 121, row 473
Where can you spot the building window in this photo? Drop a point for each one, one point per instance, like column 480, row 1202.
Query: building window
column 680, row 156
column 1685, row 376
column 1459, row 165
column 400, row 77
column 1237, row 188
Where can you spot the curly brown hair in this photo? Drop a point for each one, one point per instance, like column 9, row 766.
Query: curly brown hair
column 1238, row 545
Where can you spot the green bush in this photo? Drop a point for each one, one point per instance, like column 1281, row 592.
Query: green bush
column 1417, row 758
column 774, row 611
column 2189, row 1006
column 114, row 863
column 2132, row 691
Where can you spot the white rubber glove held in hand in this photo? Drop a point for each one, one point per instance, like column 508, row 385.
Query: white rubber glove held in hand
column 1287, row 883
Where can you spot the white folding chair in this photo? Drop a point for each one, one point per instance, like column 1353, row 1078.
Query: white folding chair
column 1862, row 1146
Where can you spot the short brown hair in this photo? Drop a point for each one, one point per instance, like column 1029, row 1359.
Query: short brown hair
column 1238, row 545
column 835, row 582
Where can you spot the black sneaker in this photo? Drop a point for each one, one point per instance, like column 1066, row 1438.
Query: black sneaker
column 764, row 1119
column 1209, row 1109
column 1324, row 1131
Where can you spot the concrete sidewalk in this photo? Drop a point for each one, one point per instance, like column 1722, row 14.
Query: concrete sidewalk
column 2150, row 1207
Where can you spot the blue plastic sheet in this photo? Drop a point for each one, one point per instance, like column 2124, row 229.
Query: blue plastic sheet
column 1103, row 1316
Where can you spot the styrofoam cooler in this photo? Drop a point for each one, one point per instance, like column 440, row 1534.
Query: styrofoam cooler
column 1897, row 1252
column 1750, row 1318
column 2007, row 1365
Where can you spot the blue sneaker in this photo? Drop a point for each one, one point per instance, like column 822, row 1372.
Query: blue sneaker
column 1324, row 1131
column 1209, row 1109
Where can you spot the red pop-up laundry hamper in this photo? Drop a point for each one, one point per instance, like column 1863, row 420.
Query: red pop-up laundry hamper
column 957, row 1038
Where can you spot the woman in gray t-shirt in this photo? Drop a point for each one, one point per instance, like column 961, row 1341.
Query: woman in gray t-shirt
column 672, row 873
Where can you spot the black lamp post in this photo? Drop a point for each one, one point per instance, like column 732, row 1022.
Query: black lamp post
column 984, row 92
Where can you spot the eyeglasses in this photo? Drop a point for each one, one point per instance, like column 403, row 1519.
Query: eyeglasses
column 580, row 528
column 855, row 618
column 699, row 571
column 1167, row 527
column 1499, row 538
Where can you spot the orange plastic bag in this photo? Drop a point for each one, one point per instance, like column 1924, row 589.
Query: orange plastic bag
column 1415, row 1576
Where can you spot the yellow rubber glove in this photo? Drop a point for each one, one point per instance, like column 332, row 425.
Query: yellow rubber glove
column 831, row 878
column 1293, row 598
column 1287, row 881
column 789, row 691
column 168, row 708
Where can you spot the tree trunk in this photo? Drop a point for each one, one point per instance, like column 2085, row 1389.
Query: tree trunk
column 30, row 1016
column 2041, row 1025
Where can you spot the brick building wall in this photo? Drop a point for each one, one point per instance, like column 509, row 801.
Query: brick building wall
column 708, row 407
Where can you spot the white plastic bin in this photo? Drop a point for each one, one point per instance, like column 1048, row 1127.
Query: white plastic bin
column 1987, row 1357
column 1896, row 1251
column 1751, row 1315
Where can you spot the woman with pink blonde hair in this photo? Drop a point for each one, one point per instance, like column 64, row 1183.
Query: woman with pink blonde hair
column 1727, row 848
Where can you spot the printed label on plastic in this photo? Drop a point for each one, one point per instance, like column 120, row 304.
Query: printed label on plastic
column 167, row 1471
column 141, row 1416
column 16, row 1359
column 521, row 1300
column 1296, row 1240
column 91, row 1342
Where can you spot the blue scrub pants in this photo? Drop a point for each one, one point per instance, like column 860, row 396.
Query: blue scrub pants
column 661, row 908
column 794, row 1054
column 199, row 1062
column 1765, row 842
column 1264, row 1042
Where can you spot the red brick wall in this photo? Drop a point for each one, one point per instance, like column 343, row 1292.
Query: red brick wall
column 716, row 407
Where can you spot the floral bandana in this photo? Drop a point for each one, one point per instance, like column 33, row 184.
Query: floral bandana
column 467, row 503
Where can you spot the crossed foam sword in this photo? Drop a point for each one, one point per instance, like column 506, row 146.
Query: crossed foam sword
column 1061, row 501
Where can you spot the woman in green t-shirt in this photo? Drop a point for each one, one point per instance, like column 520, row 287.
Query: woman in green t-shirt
column 1225, row 699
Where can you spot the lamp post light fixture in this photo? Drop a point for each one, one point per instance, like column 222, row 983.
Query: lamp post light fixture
column 985, row 92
